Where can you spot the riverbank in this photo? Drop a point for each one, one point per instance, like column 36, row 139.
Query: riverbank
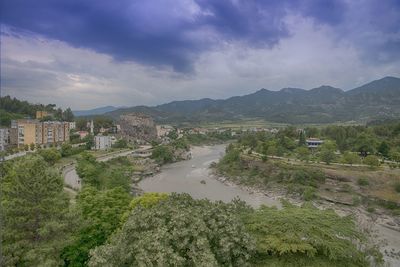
column 383, row 228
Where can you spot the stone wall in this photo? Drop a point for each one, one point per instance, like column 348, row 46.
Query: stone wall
column 138, row 127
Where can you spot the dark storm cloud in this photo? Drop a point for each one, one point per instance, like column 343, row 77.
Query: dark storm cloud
column 174, row 33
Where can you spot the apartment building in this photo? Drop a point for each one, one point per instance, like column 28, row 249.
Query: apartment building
column 40, row 114
column 40, row 133
column 4, row 138
column 103, row 142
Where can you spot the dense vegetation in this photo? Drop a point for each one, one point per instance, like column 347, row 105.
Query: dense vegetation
column 106, row 226
column 244, row 170
column 105, row 175
column 212, row 137
column 353, row 142
column 174, row 151
column 12, row 108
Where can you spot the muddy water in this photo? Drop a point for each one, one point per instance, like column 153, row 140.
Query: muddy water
column 187, row 176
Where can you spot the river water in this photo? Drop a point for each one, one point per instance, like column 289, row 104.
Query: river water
column 186, row 176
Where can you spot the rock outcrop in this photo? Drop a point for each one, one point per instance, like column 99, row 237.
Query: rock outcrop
column 138, row 127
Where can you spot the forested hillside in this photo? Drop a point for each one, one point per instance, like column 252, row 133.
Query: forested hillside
column 379, row 99
column 12, row 108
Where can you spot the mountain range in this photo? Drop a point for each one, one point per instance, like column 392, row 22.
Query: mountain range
column 379, row 99
column 95, row 111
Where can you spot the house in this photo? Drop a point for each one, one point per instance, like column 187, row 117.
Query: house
column 314, row 142
column 83, row 134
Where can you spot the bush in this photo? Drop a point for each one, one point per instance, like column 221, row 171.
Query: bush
column 51, row 155
column 362, row 182
column 309, row 193
column 372, row 161
column 162, row 154
column 397, row 187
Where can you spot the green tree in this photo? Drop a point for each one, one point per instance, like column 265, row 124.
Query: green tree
column 121, row 143
column 101, row 212
column 365, row 144
column 162, row 154
column 32, row 146
column 66, row 150
column 304, row 236
column 35, row 215
column 372, row 161
column 384, row 149
column 327, row 152
column 395, row 155
column 178, row 231
column 68, row 115
column 303, row 153
column 51, row 155
column 302, row 139
column 350, row 158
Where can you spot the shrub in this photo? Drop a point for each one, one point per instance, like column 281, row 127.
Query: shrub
column 397, row 187
column 362, row 182
column 309, row 193
column 372, row 161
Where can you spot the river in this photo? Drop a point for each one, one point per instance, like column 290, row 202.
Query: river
column 186, row 176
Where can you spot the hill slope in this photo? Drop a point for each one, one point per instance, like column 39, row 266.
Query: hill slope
column 375, row 100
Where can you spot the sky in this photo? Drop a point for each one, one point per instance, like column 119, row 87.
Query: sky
column 89, row 53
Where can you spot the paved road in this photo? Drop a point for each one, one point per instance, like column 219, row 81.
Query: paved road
column 71, row 178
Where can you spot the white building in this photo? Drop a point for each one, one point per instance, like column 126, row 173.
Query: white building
column 314, row 142
column 72, row 125
column 4, row 138
column 102, row 142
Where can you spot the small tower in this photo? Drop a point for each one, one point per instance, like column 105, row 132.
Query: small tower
column 91, row 127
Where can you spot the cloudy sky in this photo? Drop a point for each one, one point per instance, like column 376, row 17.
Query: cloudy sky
column 90, row 53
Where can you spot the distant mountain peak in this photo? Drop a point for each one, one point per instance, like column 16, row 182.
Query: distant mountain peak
column 326, row 88
column 291, row 90
column 374, row 100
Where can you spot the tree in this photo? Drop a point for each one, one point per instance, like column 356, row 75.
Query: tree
column 372, row 161
column 121, row 143
column 395, row 155
column 51, row 155
column 162, row 154
column 101, row 212
column 32, row 146
column 66, row 150
column 178, row 231
column 327, row 152
column 304, row 236
column 302, row 139
column 350, row 158
column 35, row 215
column 303, row 153
column 365, row 144
column 384, row 149
column 68, row 115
